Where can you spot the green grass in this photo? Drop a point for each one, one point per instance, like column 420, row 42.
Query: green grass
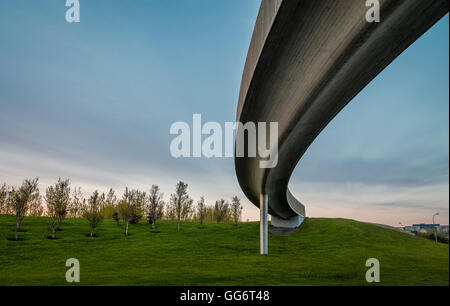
column 321, row 252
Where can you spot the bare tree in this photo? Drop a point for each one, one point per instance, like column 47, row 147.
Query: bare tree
column 77, row 203
column 111, row 199
column 221, row 210
column 92, row 211
column 110, row 204
column 3, row 198
column 155, row 205
column 58, row 199
column 236, row 210
column 36, row 209
column 201, row 210
column 21, row 199
column 181, row 203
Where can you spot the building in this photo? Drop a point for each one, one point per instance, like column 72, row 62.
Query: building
column 425, row 227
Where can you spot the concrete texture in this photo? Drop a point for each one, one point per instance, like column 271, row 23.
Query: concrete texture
column 307, row 59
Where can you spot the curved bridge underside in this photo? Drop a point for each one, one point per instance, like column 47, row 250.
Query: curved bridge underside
column 308, row 59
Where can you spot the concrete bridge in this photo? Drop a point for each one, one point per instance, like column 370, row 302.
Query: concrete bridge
column 307, row 60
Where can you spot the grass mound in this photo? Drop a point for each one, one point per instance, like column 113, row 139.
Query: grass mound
column 321, row 252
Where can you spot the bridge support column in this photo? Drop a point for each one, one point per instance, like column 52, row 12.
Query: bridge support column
column 264, row 223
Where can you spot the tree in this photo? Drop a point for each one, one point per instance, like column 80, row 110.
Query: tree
column 180, row 203
column 110, row 204
column 20, row 200
column 236, row 210
column 201, row 210
column 138, row 201
column 3, row 198
column 58, row 199
column 125, row 209
column 77, row 203
column 92, row 211
column 35, row 208
column 221, row 210
column 155, row 206
column 116, row 217
column 111, row 199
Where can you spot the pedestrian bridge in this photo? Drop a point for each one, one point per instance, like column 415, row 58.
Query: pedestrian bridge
column 306, row 61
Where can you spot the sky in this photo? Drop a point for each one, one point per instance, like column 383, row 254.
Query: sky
column 94, row 101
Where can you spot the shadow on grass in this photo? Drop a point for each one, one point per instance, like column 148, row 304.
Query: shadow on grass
column 20, row 231
column 14, row 239
column 93, row 235
column 50, row 238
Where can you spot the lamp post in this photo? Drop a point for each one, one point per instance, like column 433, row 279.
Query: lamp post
column 435, row 229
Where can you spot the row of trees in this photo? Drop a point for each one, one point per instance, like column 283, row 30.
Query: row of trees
column 131, row 208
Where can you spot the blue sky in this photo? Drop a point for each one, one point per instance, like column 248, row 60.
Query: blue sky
column 94, row 102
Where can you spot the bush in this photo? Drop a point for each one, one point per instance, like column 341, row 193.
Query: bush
column 441, row 237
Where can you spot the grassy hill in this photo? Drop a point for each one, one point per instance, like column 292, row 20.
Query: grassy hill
column 321, row 252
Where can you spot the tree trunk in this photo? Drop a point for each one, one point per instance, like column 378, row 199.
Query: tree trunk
column 153, row 225
column 53, row 232
column 92, row 233
column 16, row 233
column 126, row 230
column 178, row 225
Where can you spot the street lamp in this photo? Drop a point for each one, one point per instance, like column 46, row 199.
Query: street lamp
column 435, row 227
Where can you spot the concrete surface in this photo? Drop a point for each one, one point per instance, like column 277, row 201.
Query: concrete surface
column 307, row 59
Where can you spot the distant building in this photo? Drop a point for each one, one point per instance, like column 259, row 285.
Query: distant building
column 408, row 228
column 426, row 230
column 425, row 227
column 444, row 228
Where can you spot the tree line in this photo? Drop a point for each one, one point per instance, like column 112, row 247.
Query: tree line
column 61, row 201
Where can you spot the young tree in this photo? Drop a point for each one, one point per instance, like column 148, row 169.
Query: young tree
column 181, row 203
column 3, row 198
column 57, row 198
column 201, row 210
column 109, row 207
column 77, row 203
column 138, row 201
column 116, row 216
column 236, row 210
column 221, row 210
column 92, row 211
column 21, row 198
column 35, row 208
column 111, row 199
column 125, row 209
column 155, row 206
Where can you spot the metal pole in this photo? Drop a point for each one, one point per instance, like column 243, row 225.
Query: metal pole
column 435, row 228
column 264, row 208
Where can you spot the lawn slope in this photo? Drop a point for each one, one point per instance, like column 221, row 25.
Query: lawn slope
column 321, row 252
